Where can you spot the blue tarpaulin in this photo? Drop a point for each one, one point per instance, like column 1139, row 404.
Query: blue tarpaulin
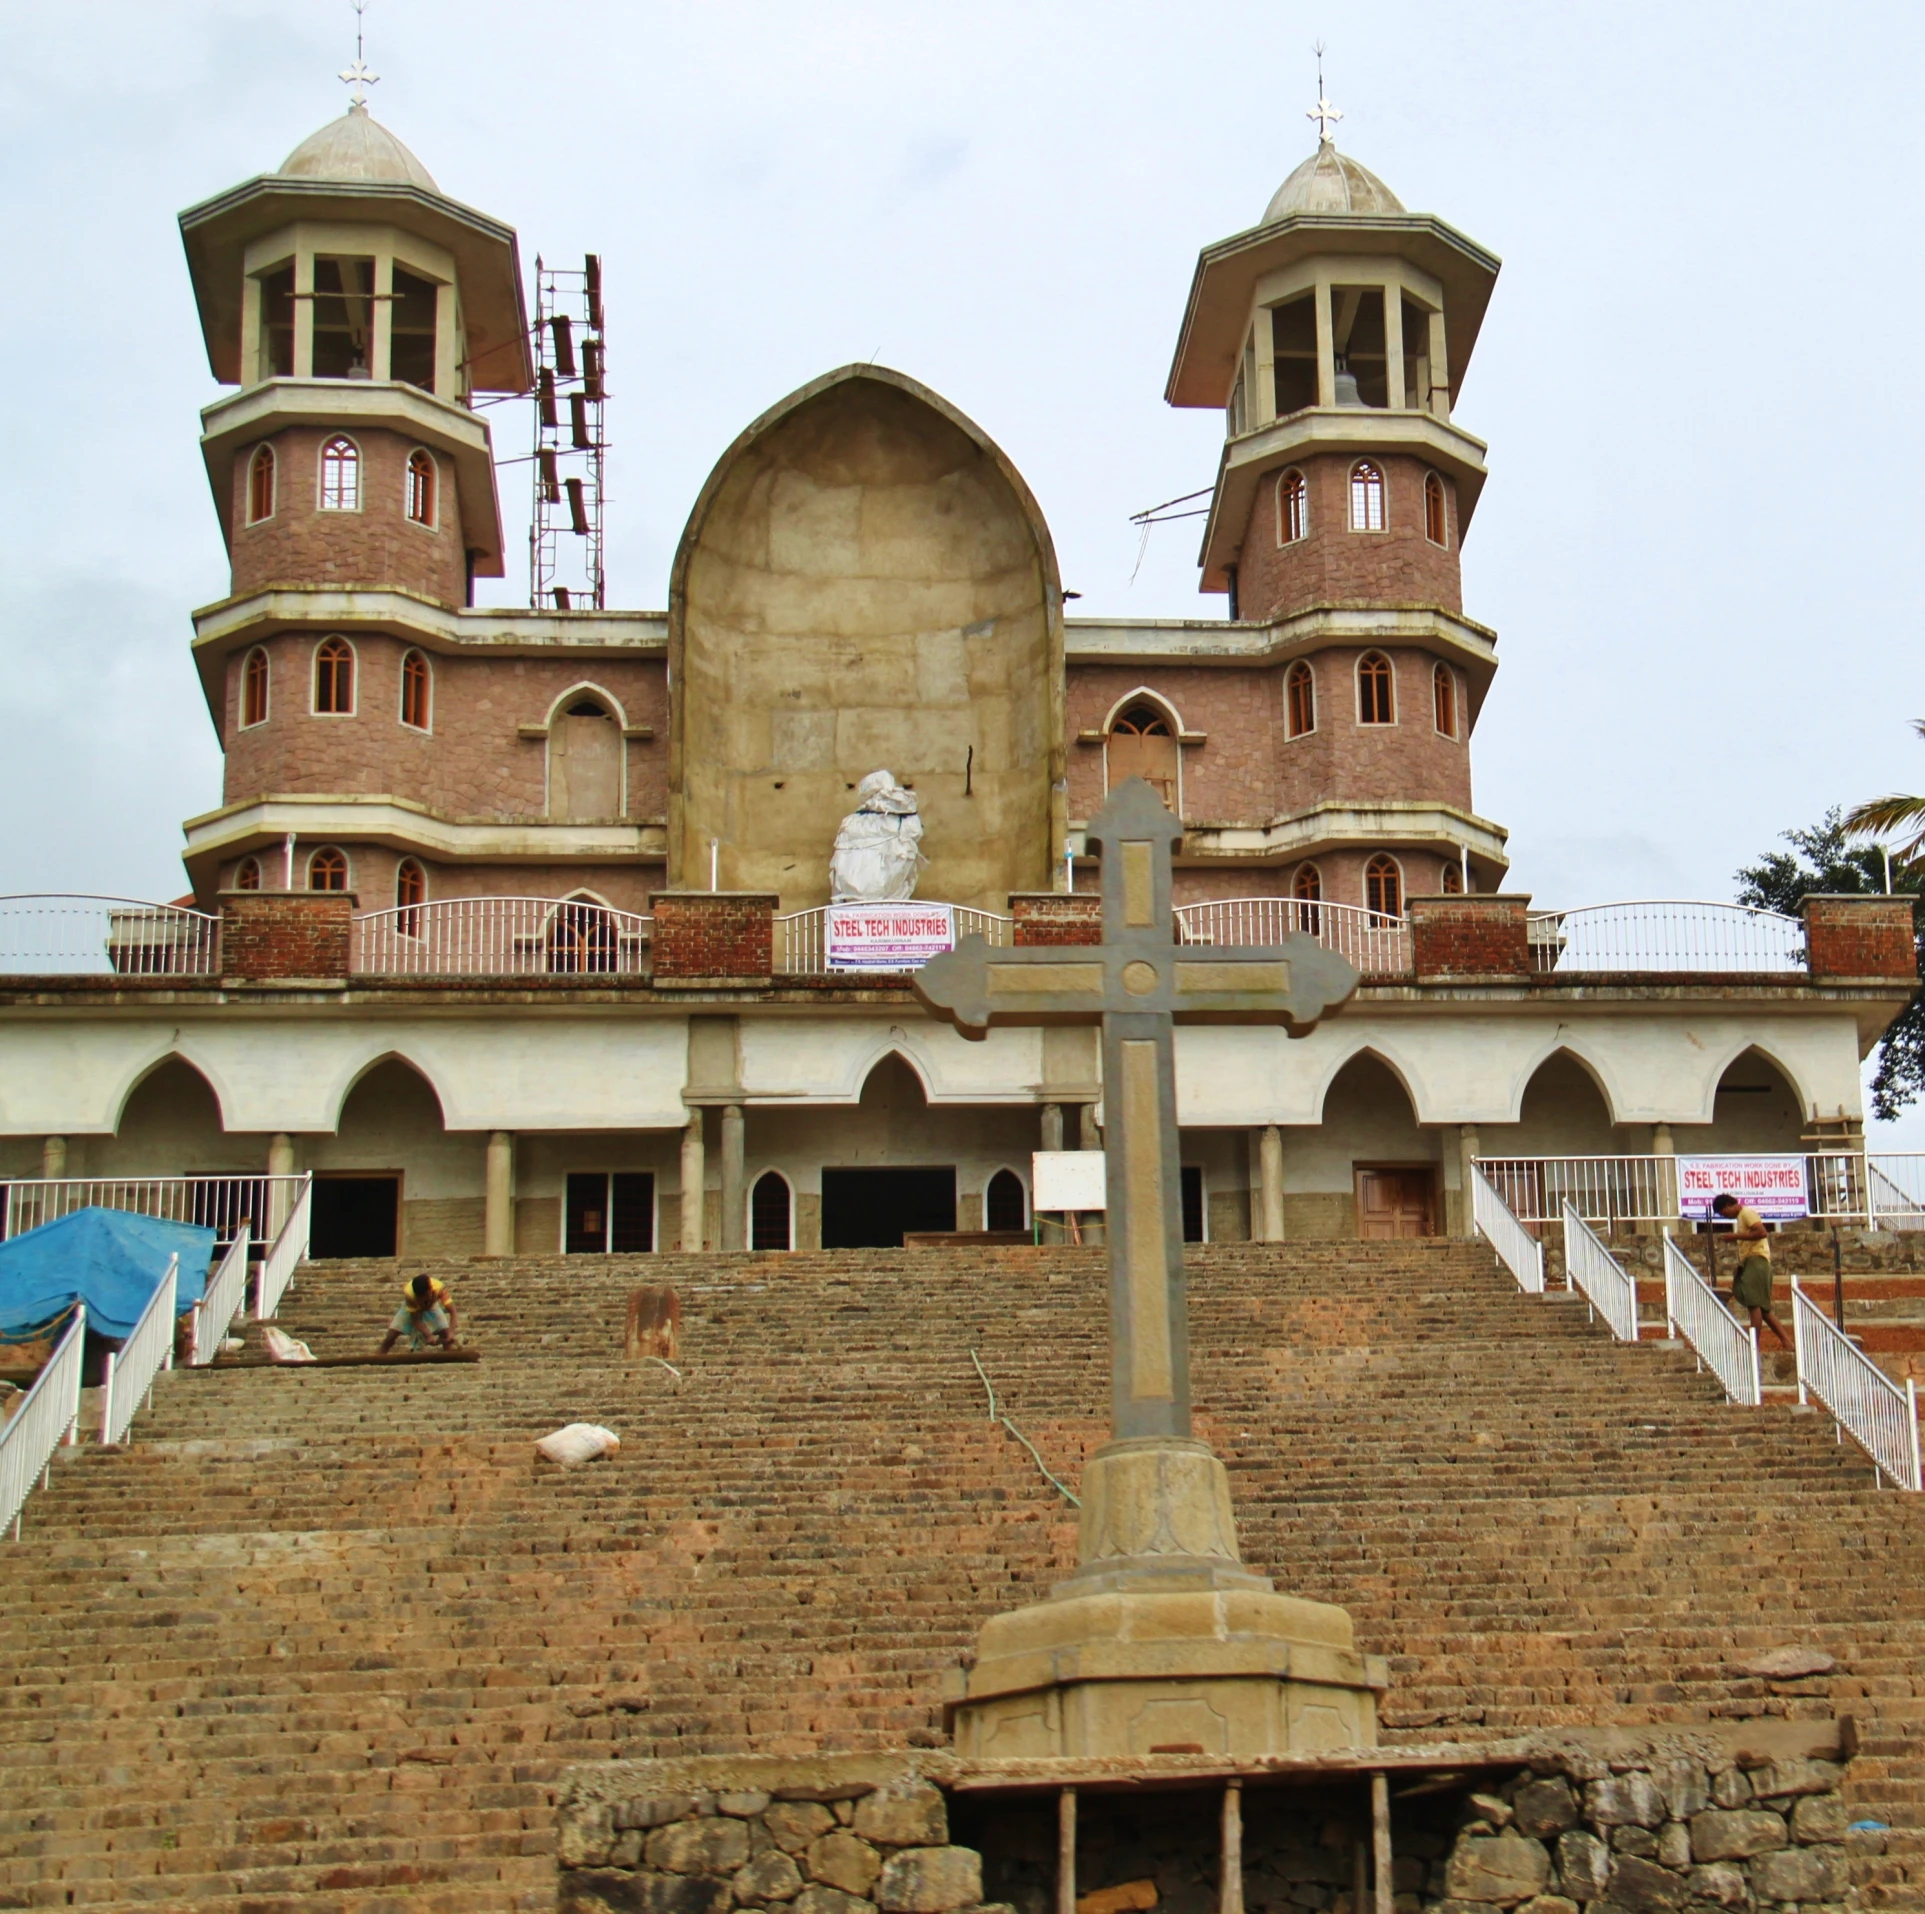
column 108, row 1259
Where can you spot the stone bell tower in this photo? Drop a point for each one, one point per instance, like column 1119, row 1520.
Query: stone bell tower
column 1335, row 335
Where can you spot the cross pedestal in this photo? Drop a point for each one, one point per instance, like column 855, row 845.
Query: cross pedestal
column 1162, row 1640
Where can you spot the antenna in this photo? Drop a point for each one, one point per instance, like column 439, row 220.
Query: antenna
column 359, row 76
column 1323, row 112
column 571, row 445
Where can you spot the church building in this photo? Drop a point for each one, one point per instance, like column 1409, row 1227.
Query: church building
column 515, row 926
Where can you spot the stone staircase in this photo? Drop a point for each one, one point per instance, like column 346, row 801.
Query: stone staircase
column 325, row 1639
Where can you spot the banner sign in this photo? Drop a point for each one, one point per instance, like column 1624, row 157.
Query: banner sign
column 1068, row 1180
column 887, row 936
column 1774, row 1186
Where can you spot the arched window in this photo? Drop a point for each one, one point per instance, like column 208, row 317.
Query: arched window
column 260, row 485
column 416, row 683
column 584, row 763
column 1300, row 699
column 1443, row 684
column 1376, row 690
column 771, row 1213
column 1005, row 1204
column 254, row 688
column 340, row 476
column 410, row 893
column 1384, row 887
column 327, row 870
column 1142, row 744
column 334, row 677
column 582, row 938
column 1306, row 891
column 1453, row 879
column 421, row 488
column 1436, row 516
column 248, row 876
column 1366, row 497
column 1293, row 502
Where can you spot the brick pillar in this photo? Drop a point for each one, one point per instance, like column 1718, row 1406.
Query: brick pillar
column 1860, row 937
column 1056, row 917
column 1481, row 936
column 713, row 937
column 286, row 936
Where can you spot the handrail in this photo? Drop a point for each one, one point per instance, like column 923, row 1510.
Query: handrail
column 1666, row 933
column 1866, row 1404
column 49, row 1416
column 219, row 1203
column 502, row 937
column 49, row 934
column 128, row 1383
column 1725, row 1346
column 1377, row 944
column 1519, row 1251
column 1590, row 1267
column 226, row 1291
column 287, row 1255
column 801, row 937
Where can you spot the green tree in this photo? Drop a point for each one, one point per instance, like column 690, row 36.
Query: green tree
column 1825, row 858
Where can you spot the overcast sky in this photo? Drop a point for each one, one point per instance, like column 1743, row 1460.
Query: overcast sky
column 1698, row 378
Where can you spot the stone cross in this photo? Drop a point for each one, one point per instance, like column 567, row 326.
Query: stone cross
column 1138, row 983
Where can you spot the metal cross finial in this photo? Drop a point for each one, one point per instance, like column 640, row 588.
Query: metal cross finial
column 359, row 76
column 1323, row 112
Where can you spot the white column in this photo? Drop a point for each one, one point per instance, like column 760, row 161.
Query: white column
column 735, row 1219
column 498, row 1210
column 1467, row 1151
column 694, row 1171
column 280, row 1162
column 1270, row 1183
column 53, row 1156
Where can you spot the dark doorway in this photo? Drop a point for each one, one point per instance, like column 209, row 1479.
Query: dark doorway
column 870, row 1209
column 610, row 1213
column 355, row 1216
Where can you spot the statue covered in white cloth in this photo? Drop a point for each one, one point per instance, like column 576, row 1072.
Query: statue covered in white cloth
column 878, row 855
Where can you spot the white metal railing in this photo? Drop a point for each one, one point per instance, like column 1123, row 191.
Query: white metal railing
column 1521, row 1253
column 286, row 1256
column 219, row 1203
column 502, row 937
column 1866, row 1403
column 1666, row 934
column 1886, row 1190
column 49, row 936
column 226, row 1291
column 1378, row 945
column 128, row 1380
column 1591, row 1268
column 1725, row 1346
column 49, row 1416
column 801, row 938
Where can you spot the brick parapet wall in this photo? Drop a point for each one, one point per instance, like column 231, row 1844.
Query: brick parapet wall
column 283, row 936
column 1052, row 917
column 713, row 936
column 1480, row 936
column 1860, row 937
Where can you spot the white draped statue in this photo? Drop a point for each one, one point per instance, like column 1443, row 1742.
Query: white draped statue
column 877, row 856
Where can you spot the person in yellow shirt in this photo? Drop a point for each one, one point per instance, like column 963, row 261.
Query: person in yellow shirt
column 1751, row 1288
column 426, row 1315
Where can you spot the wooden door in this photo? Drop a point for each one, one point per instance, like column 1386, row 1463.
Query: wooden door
column 1141, row 746
column 1393, row 1203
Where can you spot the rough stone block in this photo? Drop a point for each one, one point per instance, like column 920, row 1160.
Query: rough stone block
column 1731, row 1789
column 844, row 1860
column 1685, row 1786
column 1734, row 1834
column 1820, row 1817
column 709, row 1846
column 1624, row 1800
column 1545, row 1807
column 816, row 1899
column 654, row 1811
column 1784, row 1778
column 931, row 1881
column 1638, row 1886
column 1490, row 1809
column 1721, row 1884
column 1801, row 1874
column 587, row 1835
column 1674, row 1846
column 911, row 1815
column 792, row 1825
column 1583, row 1864
column 1500, row 1868
column 771, row 1876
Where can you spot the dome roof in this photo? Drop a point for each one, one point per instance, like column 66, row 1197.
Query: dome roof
column 355, row 149
column 1330, row 182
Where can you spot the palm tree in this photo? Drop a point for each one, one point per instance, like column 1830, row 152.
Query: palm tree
column 1878, row 817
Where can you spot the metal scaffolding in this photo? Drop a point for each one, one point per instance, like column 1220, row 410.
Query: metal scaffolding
column 565, row 536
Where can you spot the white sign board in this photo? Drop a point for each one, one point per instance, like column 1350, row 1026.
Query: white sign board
column 1068, row 1180
column 887, row 936
column 1774, row 1186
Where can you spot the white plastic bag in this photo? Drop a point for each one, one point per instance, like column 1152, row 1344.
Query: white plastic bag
column 579, row 1442
column 284, row 1348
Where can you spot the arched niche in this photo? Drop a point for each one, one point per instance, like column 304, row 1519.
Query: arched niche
column 865, row 582
column 170, row 1125
column 1563, row 1113
column 392, row 1173
column 1368, row 1168
column 1757, row 1110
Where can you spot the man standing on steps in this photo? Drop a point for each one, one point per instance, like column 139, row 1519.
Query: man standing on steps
column 1751, row 1287
column 426, row 1315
